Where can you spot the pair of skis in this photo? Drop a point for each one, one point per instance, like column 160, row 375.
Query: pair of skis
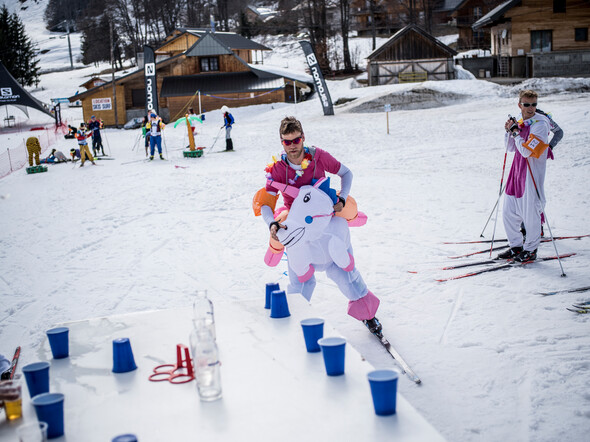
column 9, row 374
column 503, row 265
column 557, row 238
column 581, row 307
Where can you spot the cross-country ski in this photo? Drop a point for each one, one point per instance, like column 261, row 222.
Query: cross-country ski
column 504, row 265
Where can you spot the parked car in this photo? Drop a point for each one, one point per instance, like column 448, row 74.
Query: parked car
column 134, row 123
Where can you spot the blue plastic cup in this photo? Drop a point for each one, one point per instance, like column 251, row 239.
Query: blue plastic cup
column 270, row 287
column 384, row 390
column 278, row 304
column 58, row 341
column 123, row 360
column 50, row 409
column 37, row 377
column 333, row 352
column 313, row 330
column 125, row 438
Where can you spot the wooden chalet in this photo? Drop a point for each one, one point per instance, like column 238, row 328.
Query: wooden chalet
column 192, row 65
column 411, row 54
column 540, row 38
column 465, row 14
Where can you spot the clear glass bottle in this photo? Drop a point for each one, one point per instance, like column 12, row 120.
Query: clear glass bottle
column 206, row 364
column 203, row 316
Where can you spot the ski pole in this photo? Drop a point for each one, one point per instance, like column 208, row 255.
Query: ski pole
column 546, row 219
column 491, row 213
column 108, row 145
column 165, row 146
column 215, row 141
column 497, row 202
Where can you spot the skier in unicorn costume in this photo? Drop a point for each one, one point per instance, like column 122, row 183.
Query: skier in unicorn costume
column 297, row 168
column 528, row 138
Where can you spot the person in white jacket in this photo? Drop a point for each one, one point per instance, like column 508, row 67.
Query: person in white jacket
column 524, row 201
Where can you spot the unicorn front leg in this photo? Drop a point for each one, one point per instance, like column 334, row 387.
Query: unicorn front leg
column 338, row 251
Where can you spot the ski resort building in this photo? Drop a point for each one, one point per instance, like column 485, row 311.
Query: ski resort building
column 200, row 69
column 411, row 54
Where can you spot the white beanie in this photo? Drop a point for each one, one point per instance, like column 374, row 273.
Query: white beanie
column 224, row 109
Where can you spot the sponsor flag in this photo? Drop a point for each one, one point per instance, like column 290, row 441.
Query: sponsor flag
column 151, row 89
column 318, row 78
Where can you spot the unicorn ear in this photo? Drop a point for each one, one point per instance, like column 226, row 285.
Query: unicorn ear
column 319, row 184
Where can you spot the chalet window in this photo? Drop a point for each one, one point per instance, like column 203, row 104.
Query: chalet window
column 558, row 6
column 581, row 34
column 541, row 41
column 138, row 97
column 209, row 64
column 477, row 13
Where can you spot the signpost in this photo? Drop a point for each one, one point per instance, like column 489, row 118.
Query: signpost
column 387, row 109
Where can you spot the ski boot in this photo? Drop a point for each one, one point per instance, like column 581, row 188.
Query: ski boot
column 374, row 326
column 511, row 253
column 526, row 256
column 151, row 157
column 162, row 157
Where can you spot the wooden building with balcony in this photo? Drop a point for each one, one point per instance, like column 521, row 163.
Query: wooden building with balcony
column 540, row 38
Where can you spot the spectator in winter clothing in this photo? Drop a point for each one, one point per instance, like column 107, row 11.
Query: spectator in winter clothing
column 75, row 154
column 297, row 167
column 524, row 200
column 155, row 127
column 55, row 157
column 95, row 126
column 82, row 135
column 34, row 149
column 145, row 133
column 228, row 121
column 71, row 132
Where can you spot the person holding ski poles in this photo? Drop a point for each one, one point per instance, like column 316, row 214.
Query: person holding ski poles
column 524, row 200
column 95, row 126
column 297, row 167
column 155, row 126
column 82, row 136
column 228, row 121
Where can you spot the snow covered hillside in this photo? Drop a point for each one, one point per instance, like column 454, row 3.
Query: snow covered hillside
column 497, row 361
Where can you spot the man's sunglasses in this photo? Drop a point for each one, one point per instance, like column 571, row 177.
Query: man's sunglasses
column 289, row 142
column 529, row 104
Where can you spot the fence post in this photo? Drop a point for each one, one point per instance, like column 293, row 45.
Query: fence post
column 9, row 160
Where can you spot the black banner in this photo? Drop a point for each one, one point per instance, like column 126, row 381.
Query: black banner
column 318, row 78
column 151, row 88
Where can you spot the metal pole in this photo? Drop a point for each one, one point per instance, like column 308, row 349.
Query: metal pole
column 70, row 45
column 546, row 219
column 497, row 205
column 113, row 77
column 295, row 91
column 199, row 102
column 387, row 116
column 9, row 160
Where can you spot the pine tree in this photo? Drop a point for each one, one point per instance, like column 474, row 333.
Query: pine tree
column 18, row 53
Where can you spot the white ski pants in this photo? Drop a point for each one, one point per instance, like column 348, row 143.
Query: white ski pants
column 525, row 210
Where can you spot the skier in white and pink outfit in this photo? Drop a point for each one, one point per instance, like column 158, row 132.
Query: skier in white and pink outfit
column 524, row 199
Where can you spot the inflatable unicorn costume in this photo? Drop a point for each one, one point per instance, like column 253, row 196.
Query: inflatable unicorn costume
column 317, row 239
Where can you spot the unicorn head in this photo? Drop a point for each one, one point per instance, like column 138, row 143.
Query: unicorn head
column 309, row 215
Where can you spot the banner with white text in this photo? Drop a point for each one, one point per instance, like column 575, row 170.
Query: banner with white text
column 318, row 78
column 151, row 88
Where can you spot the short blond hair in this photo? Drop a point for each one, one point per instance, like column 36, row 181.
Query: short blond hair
column 528, row 93
column 290, row 125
